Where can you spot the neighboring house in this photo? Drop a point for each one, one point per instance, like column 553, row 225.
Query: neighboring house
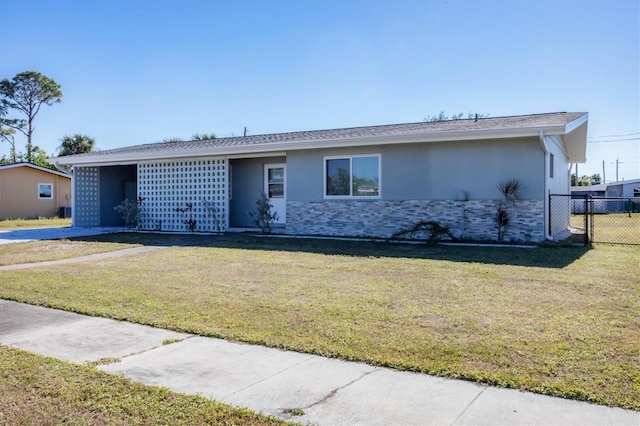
column 593, row 190
column 624, row 189
column 361, row 181
column 29, row 191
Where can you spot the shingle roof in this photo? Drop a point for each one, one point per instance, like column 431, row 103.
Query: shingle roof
column 34, row 166
column 390, row 130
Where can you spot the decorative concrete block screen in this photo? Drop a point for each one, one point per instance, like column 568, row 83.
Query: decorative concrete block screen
column 166, row 186
column 86, row 211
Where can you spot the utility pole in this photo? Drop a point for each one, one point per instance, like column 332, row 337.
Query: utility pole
column 604, row 180
column 617, row 162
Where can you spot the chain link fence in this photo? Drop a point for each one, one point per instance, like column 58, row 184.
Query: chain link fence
column 589, row 218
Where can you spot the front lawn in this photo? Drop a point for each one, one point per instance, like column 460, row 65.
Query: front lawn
column 41, row 251
column 49, row 222
column 37, row 390
column 561, row 321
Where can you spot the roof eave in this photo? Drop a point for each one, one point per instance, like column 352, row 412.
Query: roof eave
column 37, row 167
column 134, row 157
column 575, row 139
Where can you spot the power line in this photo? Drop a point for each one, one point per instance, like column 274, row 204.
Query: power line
column 613, row 136
column 616, row 140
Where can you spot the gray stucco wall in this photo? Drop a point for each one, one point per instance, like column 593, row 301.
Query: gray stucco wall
column 247, row 182
column 422, row 182
column 431, row 171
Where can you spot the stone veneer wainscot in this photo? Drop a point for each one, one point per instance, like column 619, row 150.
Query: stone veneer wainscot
column 473, row 220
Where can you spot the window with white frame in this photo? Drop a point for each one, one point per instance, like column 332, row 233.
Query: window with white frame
column 45, row 191
column 352, row 176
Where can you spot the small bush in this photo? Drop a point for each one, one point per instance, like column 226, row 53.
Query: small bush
column 433, row 230
column 189, row 222
column 502, row 220
column 263, row 216
column 130, row 212
column 510, row 189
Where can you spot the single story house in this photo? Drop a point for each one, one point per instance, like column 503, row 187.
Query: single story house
column 29, row 191
column 361, row 181
column 629, row 189
column 625, row 188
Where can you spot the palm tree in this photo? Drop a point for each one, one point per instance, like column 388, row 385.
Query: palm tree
column 76, row 144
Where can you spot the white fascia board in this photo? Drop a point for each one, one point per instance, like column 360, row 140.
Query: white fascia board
column 576, row 123
column 35, row 166
column 282, row 147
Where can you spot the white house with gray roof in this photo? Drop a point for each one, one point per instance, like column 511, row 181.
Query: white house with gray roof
column 361, row 181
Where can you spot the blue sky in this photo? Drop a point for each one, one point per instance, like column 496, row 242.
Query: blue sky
column 139, row 71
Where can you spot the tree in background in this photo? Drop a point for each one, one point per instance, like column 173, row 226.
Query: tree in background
column 444, row 117
column 195, row 137
column 26, row 93
column 76, row 144
column 7, row 132
column 203, row 136
column 585, row 180
column 38, row 157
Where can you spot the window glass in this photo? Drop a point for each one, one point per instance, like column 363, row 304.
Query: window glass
column 365, row 176
column 276, row 174
column 338, row 176
column 276, row 190
column 45, row 190
column 353, row 176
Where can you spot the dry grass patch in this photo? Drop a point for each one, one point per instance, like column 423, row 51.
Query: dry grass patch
column 37, row 390
column 619, row 228
column 50, row 222
column 42, row 251
column 561, row 321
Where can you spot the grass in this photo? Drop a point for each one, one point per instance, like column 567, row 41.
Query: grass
column 612, row 227
column 37, row 390
column 41, row 251
column 48, row 250
column 50, row 222
column 561, row 321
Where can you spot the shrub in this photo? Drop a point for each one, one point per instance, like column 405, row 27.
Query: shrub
column 263, row 216
column 130, row 211
column 435, row 231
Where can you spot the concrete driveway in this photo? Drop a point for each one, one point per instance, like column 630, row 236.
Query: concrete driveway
column 21, row 235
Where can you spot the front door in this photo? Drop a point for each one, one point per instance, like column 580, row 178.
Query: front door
column 275, row 188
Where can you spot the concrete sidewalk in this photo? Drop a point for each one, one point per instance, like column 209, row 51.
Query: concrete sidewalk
column 53, row 233
column 271, row 381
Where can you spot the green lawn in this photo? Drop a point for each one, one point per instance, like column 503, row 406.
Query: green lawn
column 40, row 251
column 619, row 228
column 558, row 320
column 37, row 390
column 52, row 222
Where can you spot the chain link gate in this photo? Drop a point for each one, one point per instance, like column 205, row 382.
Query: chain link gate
column 588, row 218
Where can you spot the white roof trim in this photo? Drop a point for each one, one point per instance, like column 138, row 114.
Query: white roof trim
column 222, row 151
column 34, row 166
column 576, row 123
